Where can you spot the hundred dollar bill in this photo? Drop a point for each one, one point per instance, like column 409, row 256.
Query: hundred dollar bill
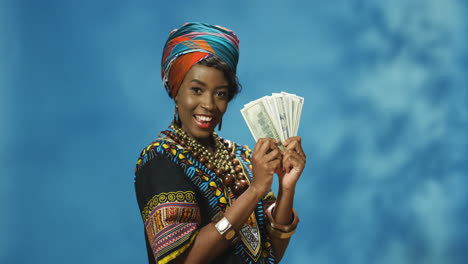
column 297, row 102
column 277, row 116
column 260, row 122
column 282, row 117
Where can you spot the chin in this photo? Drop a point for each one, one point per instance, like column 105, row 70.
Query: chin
column 202, row 134
column 199, row 133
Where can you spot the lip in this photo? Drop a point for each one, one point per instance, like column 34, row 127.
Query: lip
column 204, row 125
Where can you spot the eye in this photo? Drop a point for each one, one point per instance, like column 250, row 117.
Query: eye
column 196, row 90
column 223, row 94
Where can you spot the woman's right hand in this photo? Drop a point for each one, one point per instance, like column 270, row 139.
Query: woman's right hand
column 266, row 158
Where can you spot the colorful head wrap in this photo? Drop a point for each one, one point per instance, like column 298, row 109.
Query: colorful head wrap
column 192, row 43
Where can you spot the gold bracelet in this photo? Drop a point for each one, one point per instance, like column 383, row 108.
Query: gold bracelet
column 277, row 233
column 280, row 227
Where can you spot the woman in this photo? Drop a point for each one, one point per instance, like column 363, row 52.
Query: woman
column 205, row 199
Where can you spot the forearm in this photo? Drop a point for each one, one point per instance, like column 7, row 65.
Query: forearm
column 282, row 214
column 209, row 243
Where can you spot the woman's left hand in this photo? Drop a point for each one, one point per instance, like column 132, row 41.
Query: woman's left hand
column 293, row 162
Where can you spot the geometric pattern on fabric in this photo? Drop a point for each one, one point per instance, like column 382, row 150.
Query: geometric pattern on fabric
column 171, row 225
column 204, row 179
column 176, row 198
column 175, row 240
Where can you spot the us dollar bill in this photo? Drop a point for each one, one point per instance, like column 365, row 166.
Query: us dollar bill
column 276, row 116
column 258, row 120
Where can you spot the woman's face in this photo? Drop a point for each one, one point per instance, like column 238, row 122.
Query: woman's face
column 202, row 100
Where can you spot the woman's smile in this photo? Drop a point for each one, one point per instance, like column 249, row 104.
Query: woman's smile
column 204, row 121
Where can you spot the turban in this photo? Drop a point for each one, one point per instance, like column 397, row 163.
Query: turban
column 192, row 43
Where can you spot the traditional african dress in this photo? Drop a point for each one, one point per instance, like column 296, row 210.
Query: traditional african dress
column 178, row 195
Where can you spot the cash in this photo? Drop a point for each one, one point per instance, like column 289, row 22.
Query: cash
column 276, row 116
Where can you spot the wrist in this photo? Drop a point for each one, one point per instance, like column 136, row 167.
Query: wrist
column 257, row 191
column 290, row 188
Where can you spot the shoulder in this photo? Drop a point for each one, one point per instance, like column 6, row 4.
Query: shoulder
column 157, row 169
column 159, row 150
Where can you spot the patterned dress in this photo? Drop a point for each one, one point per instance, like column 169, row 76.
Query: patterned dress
column 178, row 195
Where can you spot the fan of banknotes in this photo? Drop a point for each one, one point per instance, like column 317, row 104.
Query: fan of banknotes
column 276, row 116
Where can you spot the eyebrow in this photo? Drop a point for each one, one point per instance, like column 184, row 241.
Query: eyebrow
column 204, row 84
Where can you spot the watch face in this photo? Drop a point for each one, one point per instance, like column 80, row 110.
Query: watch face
column 223, row 225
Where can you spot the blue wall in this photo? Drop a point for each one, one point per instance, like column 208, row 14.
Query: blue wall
column 384, row 124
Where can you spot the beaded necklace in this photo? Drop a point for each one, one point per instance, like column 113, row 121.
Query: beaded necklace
column 223, row 162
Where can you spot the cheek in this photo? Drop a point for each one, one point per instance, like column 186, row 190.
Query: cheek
column 188, row 104
column 222, row 106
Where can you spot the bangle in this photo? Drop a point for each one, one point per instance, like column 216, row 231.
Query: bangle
column 280, row 230
column 277, row 233
column 225, row 229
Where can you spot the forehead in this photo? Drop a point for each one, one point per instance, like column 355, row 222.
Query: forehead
column 208, row 75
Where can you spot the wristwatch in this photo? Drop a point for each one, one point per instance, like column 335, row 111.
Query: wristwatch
column 225, row 228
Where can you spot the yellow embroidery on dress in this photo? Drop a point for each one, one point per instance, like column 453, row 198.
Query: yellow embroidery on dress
column 223, row 200
column 179, row 196
column 270, row 196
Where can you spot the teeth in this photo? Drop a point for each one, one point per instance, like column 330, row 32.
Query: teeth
column 204, row 118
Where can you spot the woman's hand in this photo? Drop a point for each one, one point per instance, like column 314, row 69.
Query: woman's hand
column 293, row 163
column 266, row 159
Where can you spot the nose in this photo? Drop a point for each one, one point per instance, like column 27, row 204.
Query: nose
column 208, row 103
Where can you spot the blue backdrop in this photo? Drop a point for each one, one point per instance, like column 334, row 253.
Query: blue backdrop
column 384, row 125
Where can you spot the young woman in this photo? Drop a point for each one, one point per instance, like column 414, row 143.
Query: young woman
column 205, row 199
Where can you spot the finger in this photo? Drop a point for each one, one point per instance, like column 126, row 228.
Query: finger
column 296, row 145
column 266, row 147
column 260, row 145
column 269, row 147
column 257, row 145
column 279, row 169
column 298, row 156
column 275, row 164
column 286, row 164
column 292, row 152
column 301, row 150
column 274, row 154
column 272, row 141
column 291, row 139
column 293, row 145
column 294, row 140
column 293, row 159
column 271, row 144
